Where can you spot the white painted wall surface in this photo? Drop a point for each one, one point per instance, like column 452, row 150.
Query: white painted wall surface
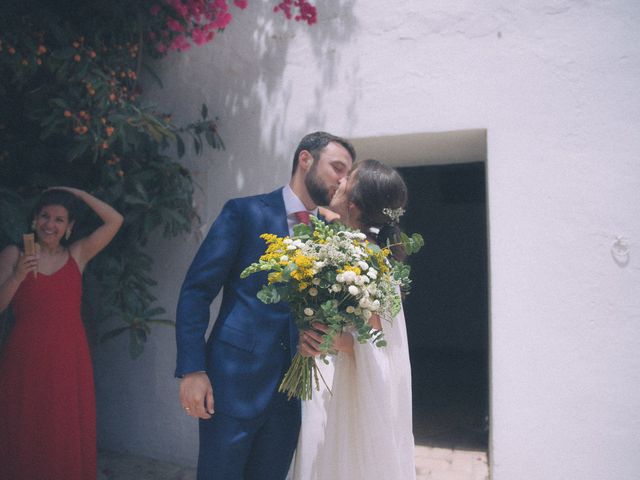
column 555, row 84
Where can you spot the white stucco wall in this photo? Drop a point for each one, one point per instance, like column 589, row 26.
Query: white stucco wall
column 555, row 84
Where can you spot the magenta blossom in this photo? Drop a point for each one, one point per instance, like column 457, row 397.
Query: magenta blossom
column 195, row 21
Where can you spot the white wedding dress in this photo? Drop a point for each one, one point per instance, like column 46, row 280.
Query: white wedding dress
column 364, row 430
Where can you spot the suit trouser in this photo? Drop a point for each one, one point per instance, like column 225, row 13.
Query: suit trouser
column 250, row 449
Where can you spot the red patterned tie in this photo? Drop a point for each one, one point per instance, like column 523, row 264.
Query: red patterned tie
column 302, row 216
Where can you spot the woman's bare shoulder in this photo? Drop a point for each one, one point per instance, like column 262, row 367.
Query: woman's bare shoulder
column 10, row 252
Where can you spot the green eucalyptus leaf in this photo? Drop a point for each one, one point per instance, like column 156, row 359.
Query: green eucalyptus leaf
column 269, row 294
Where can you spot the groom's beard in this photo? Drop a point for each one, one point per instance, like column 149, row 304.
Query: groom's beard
column 317, row 189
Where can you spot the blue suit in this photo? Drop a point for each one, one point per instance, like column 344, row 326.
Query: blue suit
column 254, row 429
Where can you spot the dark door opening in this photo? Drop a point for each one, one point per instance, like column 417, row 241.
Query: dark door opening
column 447, row 309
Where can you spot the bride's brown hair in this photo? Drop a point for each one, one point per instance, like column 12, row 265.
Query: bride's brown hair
column 379, row 188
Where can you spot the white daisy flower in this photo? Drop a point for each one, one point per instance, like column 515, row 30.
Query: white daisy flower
column 349, row 276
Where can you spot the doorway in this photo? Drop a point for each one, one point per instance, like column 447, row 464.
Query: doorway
column 447, row 309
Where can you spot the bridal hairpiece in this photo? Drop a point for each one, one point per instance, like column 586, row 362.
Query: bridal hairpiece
column 393, row 213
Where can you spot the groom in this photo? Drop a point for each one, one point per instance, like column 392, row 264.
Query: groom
column 236, row 373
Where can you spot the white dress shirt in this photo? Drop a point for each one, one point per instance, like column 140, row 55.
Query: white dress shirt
column 293, row 204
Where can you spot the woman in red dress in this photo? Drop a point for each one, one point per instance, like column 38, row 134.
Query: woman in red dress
column 47, row 398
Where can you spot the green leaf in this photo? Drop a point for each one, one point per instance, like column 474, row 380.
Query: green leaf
column 77, row 150
column 302, row 230
column 180, row 146
column 168, row 323
column 269, row 294
column 153, row 74
column 59, row 102
column 136, row 346
column 64, row 53
column 113, row 333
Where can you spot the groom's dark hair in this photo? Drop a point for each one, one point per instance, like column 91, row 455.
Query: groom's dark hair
column 315, row 142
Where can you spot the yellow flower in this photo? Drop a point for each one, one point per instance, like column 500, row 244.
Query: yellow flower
column 350, row 268
column 381, row 259
column 275, row 249
column 269, row 237
column 304, row 266
column 274, row 277
column 302, row 261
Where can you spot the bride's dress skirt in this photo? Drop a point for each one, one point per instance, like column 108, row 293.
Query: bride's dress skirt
column 364, row 430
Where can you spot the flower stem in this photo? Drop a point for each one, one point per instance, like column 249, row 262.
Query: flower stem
column 299, row 380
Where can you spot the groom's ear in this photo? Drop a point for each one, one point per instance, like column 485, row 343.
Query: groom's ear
column 305, row 160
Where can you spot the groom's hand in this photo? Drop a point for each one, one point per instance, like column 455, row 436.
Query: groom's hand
column 196, row 395
column 309, row 342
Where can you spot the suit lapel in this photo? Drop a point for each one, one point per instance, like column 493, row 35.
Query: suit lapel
column 273, row 207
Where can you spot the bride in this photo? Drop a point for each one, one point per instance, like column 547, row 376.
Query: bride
column 363, row 429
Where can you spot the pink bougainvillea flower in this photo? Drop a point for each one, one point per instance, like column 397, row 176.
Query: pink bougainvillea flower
column 180, row 44
column 223, row 20
column 175, row 25
column 307, row 11
column 195, row 22
column 199, row 36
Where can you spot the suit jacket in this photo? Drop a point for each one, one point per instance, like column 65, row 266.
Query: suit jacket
column 251, row 344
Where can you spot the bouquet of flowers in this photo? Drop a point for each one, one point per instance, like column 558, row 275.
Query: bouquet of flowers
column 331, row 275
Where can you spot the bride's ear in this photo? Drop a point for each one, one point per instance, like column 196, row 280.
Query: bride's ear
column 354, row 212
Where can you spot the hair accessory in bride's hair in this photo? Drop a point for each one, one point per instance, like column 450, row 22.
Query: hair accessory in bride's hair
column 393, row 213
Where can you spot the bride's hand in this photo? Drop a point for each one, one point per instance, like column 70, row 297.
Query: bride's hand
column 310, row 340
column 343, row 343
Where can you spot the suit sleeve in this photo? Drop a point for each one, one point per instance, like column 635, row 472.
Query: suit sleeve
column 204, row 279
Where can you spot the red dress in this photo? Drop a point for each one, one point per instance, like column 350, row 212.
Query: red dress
column 47, row 397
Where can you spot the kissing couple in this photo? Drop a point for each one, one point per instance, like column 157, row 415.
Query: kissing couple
column 229, row 381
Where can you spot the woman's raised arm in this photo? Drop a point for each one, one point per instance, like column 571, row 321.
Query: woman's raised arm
column 88, row 247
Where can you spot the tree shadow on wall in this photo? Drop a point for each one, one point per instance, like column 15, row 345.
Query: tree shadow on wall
column 239, row 76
